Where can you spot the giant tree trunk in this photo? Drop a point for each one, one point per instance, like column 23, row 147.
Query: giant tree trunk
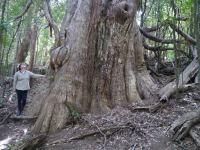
column 99, row 66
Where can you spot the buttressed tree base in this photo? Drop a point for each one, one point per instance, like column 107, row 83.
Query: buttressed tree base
column 96, row 61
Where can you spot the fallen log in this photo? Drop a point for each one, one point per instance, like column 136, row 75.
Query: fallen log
column 189, row 72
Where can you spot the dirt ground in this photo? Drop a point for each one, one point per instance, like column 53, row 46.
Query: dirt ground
column 120, row 129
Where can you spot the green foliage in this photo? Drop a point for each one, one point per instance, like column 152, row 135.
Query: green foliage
column 74, row 115
column 1, row 102
column 161, row 11
column 58, row 10
column 170, row 55
column 11, row 146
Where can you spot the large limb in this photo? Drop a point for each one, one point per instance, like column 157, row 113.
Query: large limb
column 25, row 10
column 145, row 31
column 156, row 39
column 186, row 36
column 158, row 48
column 51, row 21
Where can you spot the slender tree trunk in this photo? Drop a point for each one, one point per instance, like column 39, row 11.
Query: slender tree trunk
column 197, row 28
column 24, row 46
column 99, row 66
column 2, row 30
column 14, row 66
column 33, row 46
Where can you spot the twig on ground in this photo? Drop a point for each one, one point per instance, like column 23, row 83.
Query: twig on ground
column 4, row 120
column 104, row 135
column 23, row 117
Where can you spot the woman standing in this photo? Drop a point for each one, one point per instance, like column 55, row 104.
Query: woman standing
column 21, row 85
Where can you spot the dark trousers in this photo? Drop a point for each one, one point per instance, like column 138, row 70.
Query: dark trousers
column 21, row 96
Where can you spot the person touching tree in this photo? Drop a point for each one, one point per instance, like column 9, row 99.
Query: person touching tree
column 21, row 85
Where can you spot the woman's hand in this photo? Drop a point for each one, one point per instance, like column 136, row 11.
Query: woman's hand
column 10, row 97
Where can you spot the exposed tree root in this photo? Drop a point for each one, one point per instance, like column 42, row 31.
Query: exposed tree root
column 102, row 131
column 181, row 127
column 195, row 136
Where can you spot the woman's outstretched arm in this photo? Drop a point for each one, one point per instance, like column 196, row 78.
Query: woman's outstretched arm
column 33, row 75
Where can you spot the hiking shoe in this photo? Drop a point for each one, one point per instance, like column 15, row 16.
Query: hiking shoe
column 18, row 113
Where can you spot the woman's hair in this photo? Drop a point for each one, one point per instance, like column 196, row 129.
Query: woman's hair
column 21, row 65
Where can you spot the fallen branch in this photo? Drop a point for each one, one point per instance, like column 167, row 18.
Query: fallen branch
column 184, row 77
column 150, row 109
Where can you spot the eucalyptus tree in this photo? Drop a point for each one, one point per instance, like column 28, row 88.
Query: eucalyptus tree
column 96, row 61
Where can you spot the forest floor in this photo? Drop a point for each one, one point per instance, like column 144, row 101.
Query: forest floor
column 120, row 129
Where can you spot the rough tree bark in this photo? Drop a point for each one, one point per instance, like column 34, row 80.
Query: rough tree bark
column 97, row 65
